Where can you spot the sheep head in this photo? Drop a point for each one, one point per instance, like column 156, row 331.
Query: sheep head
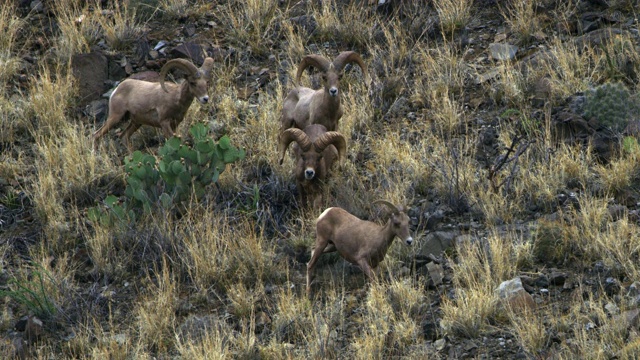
column 311, row 154
column 197, row 78
column 399, row 221
column 331, row 71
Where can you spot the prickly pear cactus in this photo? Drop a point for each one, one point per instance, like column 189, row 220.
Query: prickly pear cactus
column 611, row 105
column 188, row 168
column 182, row 169
column 142, row 178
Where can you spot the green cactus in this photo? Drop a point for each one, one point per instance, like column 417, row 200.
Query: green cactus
column 180, row 170
column 611, row 105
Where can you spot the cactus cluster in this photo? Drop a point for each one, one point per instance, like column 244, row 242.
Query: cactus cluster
column 181, row 170
column 190, row 168
column 611, row 105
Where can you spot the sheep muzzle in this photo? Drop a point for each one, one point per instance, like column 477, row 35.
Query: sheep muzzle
column 309, row 173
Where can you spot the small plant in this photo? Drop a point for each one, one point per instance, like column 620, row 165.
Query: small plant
column 32, row 293
column 182, row 170
column 630, row 145
column 611, row 105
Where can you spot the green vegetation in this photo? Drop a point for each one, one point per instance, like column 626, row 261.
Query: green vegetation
column 611, row 105
column 181, row 173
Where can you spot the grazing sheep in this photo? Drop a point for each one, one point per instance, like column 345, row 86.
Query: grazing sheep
column 360, row 242
column 315, row 154
column 304, row 106
column 160, row 104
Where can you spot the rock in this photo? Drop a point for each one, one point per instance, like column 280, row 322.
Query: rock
column 611, row 286
column 436, row 272
column 307, row 23
column 513, row 295
column 596, row 38
column 634, row 289
column 149, row 75
column 91, row 73
column 612, row 309
column 34, row 328
column 557, row 278
column 191, row 51
column 503, row 52
column 97, row 110
column 630, row 317
column 440, row 344
column 437, row 242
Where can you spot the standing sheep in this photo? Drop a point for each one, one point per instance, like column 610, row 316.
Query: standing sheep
column 304, row 106
column 360, row 242
column 317, row 151
column 162, row 105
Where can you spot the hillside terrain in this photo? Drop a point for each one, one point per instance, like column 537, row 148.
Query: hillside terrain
column 508, row 128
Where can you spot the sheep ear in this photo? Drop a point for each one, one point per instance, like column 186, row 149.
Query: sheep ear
column 206, row 67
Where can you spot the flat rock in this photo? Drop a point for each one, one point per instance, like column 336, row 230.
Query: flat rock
column 503, row 52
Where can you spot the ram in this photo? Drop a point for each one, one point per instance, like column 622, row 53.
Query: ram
column 158, row 104
column 317, row 151
column 360, row 242
column 304, row 106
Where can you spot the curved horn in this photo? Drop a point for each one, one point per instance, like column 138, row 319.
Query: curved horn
column 182, row 64
column 206, row 67
column 331, row 138
column 347, row 57
column 393, row 208
column 290, row 135
column 317, row 61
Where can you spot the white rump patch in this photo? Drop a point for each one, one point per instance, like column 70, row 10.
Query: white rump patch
column 324, row 213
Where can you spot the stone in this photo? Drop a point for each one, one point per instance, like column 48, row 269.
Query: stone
column 437, row 242
column 513, row 295
column 612, row 309
column 436, row 272
column 503, row 52
column 91, row 72
column 33, row 329
column 190, row 51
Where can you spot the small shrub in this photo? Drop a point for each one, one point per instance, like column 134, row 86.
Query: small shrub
column 611, row 105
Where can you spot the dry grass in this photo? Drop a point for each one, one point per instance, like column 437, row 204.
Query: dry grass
column 233, row 263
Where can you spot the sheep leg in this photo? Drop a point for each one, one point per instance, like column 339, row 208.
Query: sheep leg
column 167, row 130
column 321, row 244
column 364, row 265
column 113, row 119
column 126, row 134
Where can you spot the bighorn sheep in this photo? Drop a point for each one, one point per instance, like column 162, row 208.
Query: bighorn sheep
column 315, row 154
column 304, row 106
column 360, row 242
column 158, row 104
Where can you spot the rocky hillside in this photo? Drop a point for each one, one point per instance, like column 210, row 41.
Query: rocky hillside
column 508, row 128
